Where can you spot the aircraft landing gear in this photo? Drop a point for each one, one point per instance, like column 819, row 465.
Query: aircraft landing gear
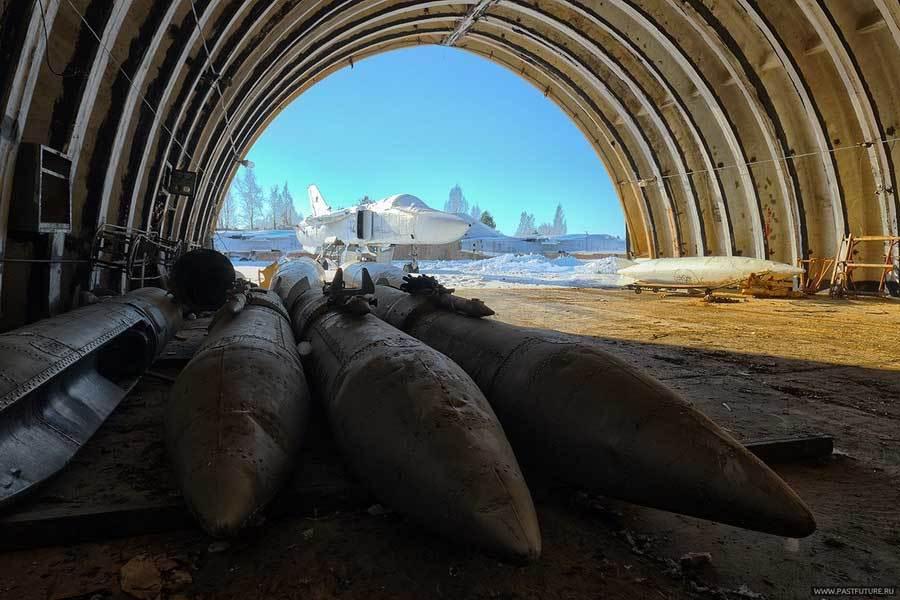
column 413, row 265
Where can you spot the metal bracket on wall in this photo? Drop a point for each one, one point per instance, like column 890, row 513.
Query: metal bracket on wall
column 142, row 257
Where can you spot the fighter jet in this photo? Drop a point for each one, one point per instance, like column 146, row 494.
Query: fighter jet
column 371, row 230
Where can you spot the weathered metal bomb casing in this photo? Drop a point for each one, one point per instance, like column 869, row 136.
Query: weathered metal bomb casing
column 60, row 378
column 237, row 413
column 415, row 427
column 290, row 273
column 379, row 272
column 575, row 411
column 201, row 279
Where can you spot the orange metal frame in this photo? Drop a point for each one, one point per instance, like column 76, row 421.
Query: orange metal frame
column 842, row 276
column 816, row 271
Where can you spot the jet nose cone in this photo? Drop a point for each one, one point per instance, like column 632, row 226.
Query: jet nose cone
column 224, row 496
column 446, row 227
column 785, row 269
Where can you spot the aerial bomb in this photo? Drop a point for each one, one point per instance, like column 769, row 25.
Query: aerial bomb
column 574, row 410
column 201, row 279
column 412, row 424
column 237, row 413
column 385, row 273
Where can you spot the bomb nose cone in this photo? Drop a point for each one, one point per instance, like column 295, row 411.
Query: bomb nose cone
column 581, row 415
column 511, row 528
column 431, row 446
column 749, row 494
column 223, row 496
column 784, row 269
column 657, row 450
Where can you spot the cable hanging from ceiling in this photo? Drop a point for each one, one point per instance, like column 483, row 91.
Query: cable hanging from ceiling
column 643, row 182
column 215, row 83
column 130, row 81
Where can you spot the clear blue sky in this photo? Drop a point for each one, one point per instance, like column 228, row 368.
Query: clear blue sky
column 419, row 121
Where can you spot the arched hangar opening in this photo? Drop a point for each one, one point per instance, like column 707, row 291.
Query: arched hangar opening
column 750, row 127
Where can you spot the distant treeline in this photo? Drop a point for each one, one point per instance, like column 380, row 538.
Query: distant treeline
column 457, row 203
column 247, row 205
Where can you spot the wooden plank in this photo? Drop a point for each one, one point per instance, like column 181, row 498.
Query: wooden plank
column 791, row 449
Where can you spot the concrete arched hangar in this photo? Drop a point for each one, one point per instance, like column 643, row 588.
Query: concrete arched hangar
column 762, row 128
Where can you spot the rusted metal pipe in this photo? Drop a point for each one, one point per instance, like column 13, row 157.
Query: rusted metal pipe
column 574, row 410
column 413, row 425
column 237, row 413
column 60, row 379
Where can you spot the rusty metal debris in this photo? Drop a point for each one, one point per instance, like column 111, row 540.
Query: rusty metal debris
column 143, row 257
column 413, row 425
column 354, row 300
column 237, row 413
column 577, row 412
column 60, row 378
column 424, row 285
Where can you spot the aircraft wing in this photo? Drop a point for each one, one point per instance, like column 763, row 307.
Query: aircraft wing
column 328, row 217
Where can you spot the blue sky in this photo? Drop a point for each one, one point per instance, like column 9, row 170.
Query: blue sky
column 419, row 121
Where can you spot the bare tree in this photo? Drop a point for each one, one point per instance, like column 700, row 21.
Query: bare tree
column 290, row 216
column 526, row 225
column 228, row 212
column 559, row 221
column 251, row 195
column 558, row 226
column 456, row 202
column 273, row 201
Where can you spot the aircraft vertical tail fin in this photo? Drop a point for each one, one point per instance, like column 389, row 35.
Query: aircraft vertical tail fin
column 317, row 202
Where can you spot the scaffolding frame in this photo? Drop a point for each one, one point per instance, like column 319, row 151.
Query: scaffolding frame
column 817, row 274
column 842, row 276
column 139, row 256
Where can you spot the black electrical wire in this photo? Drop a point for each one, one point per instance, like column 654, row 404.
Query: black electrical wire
column 77, row 74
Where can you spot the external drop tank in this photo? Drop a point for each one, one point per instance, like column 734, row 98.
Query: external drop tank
column 60, row 379
column 414, row 427
column 237, row 413
column 577, row 412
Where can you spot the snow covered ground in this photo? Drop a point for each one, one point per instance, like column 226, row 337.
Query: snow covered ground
column 479, row 239
column 507, row 271
column 527, row 270
column 250, row 268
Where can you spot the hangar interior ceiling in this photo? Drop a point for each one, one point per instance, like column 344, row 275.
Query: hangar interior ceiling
column 761, row 128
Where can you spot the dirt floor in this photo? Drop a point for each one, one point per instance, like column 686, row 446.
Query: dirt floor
column 760, row 368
